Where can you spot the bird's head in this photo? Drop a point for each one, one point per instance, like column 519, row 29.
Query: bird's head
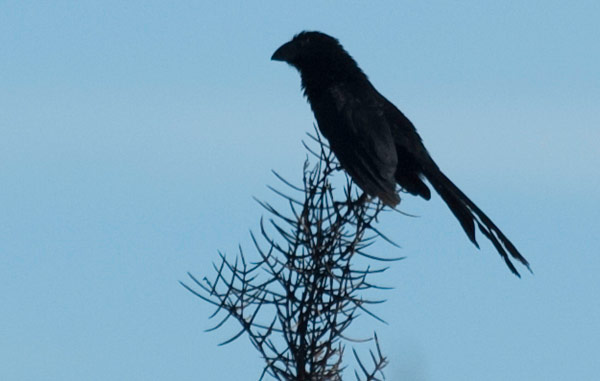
column 316, row 54
column 306, row 48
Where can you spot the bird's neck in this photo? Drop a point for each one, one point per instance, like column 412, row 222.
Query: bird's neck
column 317, row 82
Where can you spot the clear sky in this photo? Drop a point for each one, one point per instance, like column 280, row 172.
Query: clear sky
column 134, row 134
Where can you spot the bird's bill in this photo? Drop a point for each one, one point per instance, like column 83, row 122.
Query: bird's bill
column 286, row 52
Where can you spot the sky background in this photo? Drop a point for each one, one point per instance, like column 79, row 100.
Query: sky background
column 133, row 136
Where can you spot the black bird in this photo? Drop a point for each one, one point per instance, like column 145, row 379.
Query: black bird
column 374, row 142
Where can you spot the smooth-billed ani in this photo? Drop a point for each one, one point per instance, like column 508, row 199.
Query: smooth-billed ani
column 374, row 142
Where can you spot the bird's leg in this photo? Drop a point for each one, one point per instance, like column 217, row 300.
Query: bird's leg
column 352, row 204
column 360, row 201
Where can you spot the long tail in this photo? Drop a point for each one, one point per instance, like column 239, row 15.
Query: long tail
column 468, row 214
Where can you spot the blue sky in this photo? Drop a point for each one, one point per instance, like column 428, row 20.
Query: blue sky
column 133, row 136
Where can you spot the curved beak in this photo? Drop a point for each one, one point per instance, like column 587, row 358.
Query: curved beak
column 286, row 52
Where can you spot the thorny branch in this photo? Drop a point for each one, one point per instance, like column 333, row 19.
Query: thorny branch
column 298, row 298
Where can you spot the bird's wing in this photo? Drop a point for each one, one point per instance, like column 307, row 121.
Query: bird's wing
column 404, row 132
column 364, row 145
column 410, row 153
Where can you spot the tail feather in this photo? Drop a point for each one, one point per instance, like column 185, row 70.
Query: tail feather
column 468, row 214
